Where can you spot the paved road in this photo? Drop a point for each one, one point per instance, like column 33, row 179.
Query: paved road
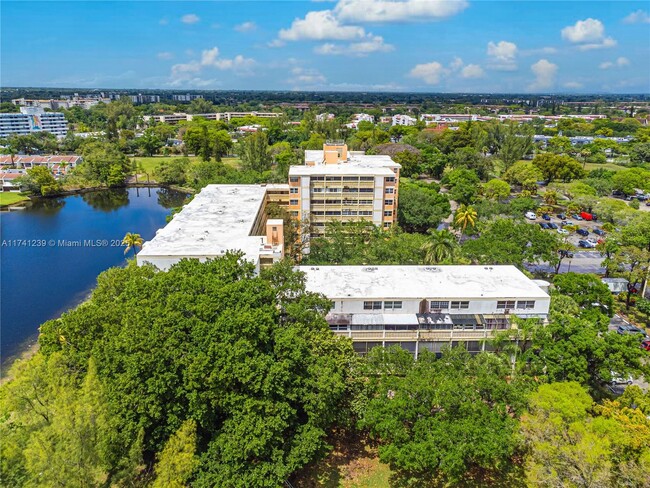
column 582, row 262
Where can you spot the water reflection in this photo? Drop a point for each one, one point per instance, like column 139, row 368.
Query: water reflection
column 107, row 200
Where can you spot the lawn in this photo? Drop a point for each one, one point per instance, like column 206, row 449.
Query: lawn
column 9, row 198
column 608, row 166
column 149, row 164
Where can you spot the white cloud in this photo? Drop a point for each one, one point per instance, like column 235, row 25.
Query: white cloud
column 165, row 55
column 472, row 71
column 363, row 48
column 502, row 55
column 190, row 19
column 605, row 43
column 306, row 76
column 276, row 43
column 186, row 73
column 638, row 17
column 545, row 73
column 397, row 10
column 210, row 57
column 163, row 21
column 180, row 70
column 588, row 34
column 620, row 62
column 320, row 26
column 246, row 27
column 588, row 30
column 431, row 73
column 456, row 63
column 572, row 85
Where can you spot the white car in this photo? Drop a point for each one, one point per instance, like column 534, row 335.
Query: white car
column 531, row 215
column 617, row 379
column 564, row 232
column 592, row 240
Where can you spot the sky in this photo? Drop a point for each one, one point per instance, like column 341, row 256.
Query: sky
column 346, row 45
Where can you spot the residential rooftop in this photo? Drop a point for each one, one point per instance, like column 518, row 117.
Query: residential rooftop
column 418, row 282
column 357, row 163
column 220, row 218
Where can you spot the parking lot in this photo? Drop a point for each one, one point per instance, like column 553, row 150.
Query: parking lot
column 572, row 237
column 640, row 382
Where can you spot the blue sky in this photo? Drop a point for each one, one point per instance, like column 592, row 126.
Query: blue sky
column 356, row 45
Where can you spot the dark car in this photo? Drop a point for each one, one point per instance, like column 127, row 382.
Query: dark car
column 577, row 217
column 599, row 232
column 585, row 244
column 631, row 329
column 583, row 232
column 546, row 216
column 544, row 225
column 552, row 225
column 618, row 193
column 565, row 254
column 561, row 216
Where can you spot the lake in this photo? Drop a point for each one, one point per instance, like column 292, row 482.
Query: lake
column 52, row 252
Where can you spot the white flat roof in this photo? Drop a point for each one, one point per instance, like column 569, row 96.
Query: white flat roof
column 356, row 164
column 218, row 219
column 418, row 282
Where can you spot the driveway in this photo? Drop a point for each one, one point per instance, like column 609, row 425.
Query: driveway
column 582, row 262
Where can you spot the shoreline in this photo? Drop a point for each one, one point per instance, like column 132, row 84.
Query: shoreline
column 25, row 352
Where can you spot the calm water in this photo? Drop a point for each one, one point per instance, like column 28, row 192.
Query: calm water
column 39, row 283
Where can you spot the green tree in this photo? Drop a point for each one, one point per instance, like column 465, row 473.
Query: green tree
column 40, row 181
column 554, row 167
column 586, row 290
column 420, row 207
column 629, row 180
column 440, row 247
column 496, row 189
column 132, row 241
column 149, row 142
column 465, row 217
column 524, row 174
column 200, row 106
column 254, row 152
column 177, row 461
column 463, row 185
column 445, row 421
column 103, row 162
column 174, row 171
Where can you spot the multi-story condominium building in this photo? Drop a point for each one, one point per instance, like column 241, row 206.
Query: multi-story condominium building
column 356, row 118
column 187, row 97
column 219, row 219
column 403, row 120
column 227, row 116
column 426, row 307
column 54, row 104
column 140, row 98
column 337, row 184
column 324, row 117
column 32, row 119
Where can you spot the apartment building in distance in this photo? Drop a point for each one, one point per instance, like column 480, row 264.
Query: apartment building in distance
column 33, row 119
column 226, row 116
column 426, row 307
column 342, row 185
column 219, row 219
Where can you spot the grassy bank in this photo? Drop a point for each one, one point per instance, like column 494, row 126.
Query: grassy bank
column 11, row 198
column 149, row 164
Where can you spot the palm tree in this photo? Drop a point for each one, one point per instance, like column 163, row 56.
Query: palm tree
column 441, row 246
column 132, row 241
column 465, row 216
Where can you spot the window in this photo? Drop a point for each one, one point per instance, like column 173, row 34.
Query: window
column 372, row 305
column 365, row 212
column 387, row 225
column 459, row 305
column 439, row 305
column 505, row 304
column 294, row 213
column 388, row 213
column 293, row 202
column 388, row 202
column 294, row 179
column 317, row 190
column 390, row 190
column 392, row 305
column 365, row 202
column 526, row 304
column 366, row 178
column 390, row 179
column 293, row 190
column 366, row 190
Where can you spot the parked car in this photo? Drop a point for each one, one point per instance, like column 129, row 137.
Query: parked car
column 618, row 379
column 583, row 232
column 561, row 216
column 577, row 217
column 647, row 204
column 531, row 215
column 566, row 222
column 585, row 244
column 564, row 232
column 645, row 345
column 632, row 329
column 544, row 225
column 599, row 232
column 618, row 193
column 546, row 216
column 552, row 225
column 586, row 216
column 565, row 254
column 593, row 241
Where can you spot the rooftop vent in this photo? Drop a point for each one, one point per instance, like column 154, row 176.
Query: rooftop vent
column 432, row 269
column 370, row 269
